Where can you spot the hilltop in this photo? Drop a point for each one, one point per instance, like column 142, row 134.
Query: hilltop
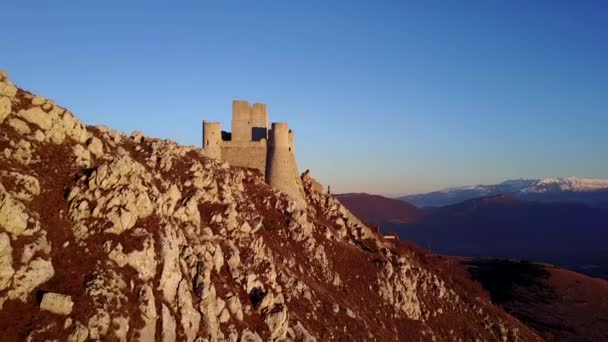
column 105, row 235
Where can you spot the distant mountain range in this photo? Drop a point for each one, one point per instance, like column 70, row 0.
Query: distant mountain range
column 593, row 192
column 570, row 234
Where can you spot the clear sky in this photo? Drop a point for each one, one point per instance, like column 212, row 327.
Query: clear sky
column 387, row 97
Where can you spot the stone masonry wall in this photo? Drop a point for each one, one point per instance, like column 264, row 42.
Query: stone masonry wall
column 245, row 153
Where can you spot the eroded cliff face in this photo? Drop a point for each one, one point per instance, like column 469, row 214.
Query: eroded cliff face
column 109, row 236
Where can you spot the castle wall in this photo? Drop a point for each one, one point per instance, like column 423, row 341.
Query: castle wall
column 245, row 154
column 212, row 139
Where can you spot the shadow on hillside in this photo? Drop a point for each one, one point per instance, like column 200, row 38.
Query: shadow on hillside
column 503, row 278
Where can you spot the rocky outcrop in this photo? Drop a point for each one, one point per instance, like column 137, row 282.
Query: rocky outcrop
column 6, row 261
column 13, row 214
column 122, row 237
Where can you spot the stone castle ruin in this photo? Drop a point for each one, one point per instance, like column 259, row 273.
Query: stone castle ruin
column 253, row 143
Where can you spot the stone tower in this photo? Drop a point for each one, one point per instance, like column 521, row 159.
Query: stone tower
column 259, row 122
column 212, row 137
column 281, row 170
column 241, row 121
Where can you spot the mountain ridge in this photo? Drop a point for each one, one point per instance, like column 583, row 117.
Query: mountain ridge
column 377, row 209
column 567, row 233
column 590, row 191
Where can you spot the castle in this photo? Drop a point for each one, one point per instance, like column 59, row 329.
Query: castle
column 253, row 143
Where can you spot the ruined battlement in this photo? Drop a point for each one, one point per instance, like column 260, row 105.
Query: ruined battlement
column 254, row 143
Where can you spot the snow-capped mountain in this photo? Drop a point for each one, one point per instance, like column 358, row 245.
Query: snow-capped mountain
column 572, row 189
column 508, row 186
column 568, row 184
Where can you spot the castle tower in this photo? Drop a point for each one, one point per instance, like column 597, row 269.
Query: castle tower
column 241, row 121
column 294, row 164
column 212, row 136
column 291, row 142
column 282, row 171
column 259, row 122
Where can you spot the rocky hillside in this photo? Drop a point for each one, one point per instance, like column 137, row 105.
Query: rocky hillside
column 123, row 237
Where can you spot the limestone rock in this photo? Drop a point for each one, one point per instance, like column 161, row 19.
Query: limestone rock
column 218, row 259
column 95, row 146
column 27, row 187
column 314, row 184
column 36, row 116
column 143, row 261
column 276, row 320
column 171, row 275
column 13, row 214
column 27, row 278
column 122, row 220
column 57, row 303
column 99, row 324
column 39, row 246
column 210, row 306
column 190, row 318
column 39, row 136
column 245, row 227
column 224, row 316
column 120, row 327
column 249, row 336
column 6, row 261
column 398, row 287
column 137, row 137
column 168, row 329
column 79, row 334
column 19, row 126
column 6, row 87
column 234, row 307
column 83, row 156
column 21, row 152
column 38, row 100
column 106, row 288
column 147, row 307
column 5, row 107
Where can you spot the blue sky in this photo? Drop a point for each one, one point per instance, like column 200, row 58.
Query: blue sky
column 388, row 97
